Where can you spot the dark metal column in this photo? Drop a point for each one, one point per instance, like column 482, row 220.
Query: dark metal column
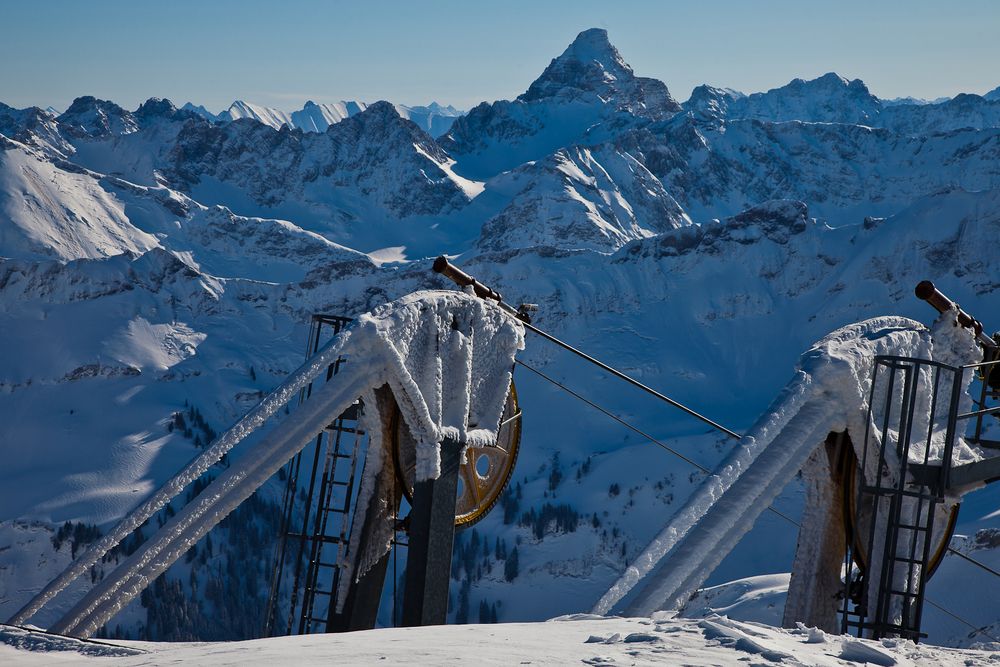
column 432, row 536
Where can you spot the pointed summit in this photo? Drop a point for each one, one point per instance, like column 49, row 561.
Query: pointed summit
column 594, row 46
column 592, row 66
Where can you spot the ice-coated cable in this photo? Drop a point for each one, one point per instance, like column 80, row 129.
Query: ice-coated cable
column 214, row 503
column 194, row 469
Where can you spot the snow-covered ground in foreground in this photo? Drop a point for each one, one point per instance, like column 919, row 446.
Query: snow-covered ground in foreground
column 569, row 640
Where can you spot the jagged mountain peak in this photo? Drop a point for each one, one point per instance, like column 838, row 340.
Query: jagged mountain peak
column 593, row 45
column 162, row 108
column 200, row 110
column 591, row 64
column 993, row 95
column 382, row 122
column 830, row 98
column 580, row 198
column 88, row 116
column 33, row 127
column 712, row 102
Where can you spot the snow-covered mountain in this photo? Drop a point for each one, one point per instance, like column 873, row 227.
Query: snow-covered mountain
column 828, row 99
column 834, row 99
column 434, row 118
column 588, row 84
column 159, row 268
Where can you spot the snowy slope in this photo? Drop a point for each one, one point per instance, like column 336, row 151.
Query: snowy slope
column 569, row 640
column 579, row 198
column 267, row 115
column 57, row 211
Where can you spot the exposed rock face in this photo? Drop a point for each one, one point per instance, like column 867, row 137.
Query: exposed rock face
column 94, row 118
column 591, row 65
column 376, row 154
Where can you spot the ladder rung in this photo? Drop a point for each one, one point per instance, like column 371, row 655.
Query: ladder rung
column 913, row 528
column 904, row 594
column 335, row 509
column 888, row 493
column 915, row 561
column 344, row 429
column 334, row 565
column 319, row 592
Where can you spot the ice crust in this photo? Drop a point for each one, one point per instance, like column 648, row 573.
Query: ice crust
column 447, row 357
column 828, row 393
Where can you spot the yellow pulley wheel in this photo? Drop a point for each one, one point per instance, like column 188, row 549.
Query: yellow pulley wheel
column 483, row 476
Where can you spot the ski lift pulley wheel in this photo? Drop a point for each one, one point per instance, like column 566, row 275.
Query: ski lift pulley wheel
column 483, row 476
column 945, row 520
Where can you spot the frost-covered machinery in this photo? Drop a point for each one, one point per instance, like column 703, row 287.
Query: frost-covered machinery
column 925, row 439
column 880, row 420
column 886, row 455
column 320, row 511
column 434, row 373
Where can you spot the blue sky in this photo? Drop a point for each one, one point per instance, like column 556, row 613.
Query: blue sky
column 283, row 53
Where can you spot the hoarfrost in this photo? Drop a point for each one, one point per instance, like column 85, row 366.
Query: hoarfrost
column 447, row 358
column 829, row 393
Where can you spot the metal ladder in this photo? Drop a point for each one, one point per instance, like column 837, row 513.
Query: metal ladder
column 901, row 513
column 314, row 553
column 336, row 493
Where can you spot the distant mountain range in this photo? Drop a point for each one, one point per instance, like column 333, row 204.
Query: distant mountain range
column 166, row 261
column 433, row 118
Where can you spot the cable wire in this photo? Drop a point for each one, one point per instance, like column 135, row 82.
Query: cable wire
column 637, row 430
column 617, row 373
column 975, row 562
column 961, row 620
column 705, row 470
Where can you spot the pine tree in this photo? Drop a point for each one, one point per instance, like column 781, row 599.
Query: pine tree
column 462, row 616
column 510, row 568
column 484, row 611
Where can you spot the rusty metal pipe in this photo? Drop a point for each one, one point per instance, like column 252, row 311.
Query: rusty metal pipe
column 463, row 279
column 928, row 292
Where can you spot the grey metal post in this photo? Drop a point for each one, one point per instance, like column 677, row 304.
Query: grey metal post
column 432, row 536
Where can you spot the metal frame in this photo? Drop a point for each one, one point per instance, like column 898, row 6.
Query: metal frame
column 898, row 401
column 296, row 548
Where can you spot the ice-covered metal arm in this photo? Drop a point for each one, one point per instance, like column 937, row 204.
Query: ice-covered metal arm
column 463, row 279
column 928, row 292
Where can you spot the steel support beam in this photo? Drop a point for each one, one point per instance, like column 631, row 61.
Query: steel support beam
column 432, row 536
